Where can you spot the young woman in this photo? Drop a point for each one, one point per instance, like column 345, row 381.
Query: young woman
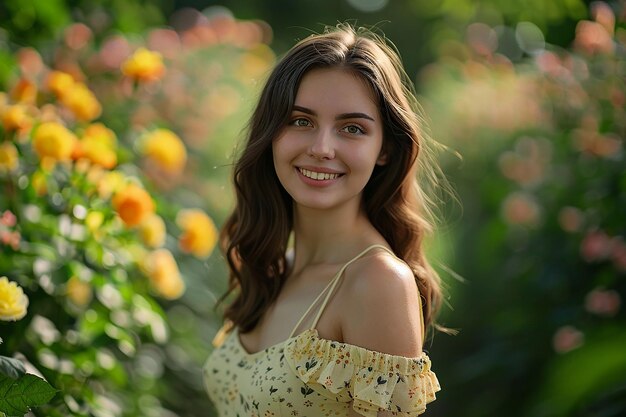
column 329, row 216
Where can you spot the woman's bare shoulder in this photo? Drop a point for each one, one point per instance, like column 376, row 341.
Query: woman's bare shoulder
column 381, row 305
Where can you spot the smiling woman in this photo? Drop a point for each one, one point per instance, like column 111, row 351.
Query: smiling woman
column 331, row 164
column 331, row 133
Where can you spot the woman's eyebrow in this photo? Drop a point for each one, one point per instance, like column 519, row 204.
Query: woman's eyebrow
column 342, row 116
column 354, row 116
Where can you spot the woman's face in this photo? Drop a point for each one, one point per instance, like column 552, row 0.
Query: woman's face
column 325, row 155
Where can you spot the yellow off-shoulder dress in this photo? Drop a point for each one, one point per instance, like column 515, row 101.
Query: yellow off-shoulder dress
column 308, row 376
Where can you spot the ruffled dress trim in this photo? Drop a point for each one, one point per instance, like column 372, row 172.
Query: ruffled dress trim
column 373, row 381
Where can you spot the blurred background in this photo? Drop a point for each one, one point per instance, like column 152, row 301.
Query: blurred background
column 100, row 230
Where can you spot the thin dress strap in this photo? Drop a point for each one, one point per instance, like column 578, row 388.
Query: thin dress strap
column 332, row 284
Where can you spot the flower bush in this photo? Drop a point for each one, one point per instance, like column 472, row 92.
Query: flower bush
column 541, row 244
column 108, row 176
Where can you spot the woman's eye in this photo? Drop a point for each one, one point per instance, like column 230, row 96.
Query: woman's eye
column 300, row 122
column 353, row 130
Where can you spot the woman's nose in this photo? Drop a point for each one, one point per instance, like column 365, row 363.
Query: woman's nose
column 322, row 145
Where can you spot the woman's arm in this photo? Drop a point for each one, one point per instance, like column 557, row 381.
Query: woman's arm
column 383, row 310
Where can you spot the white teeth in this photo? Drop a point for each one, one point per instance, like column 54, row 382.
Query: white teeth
column 318, row 175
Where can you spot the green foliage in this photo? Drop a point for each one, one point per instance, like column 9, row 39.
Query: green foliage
column 562, row 391
column 18, row 395
column 104, row 323
column 11, row 367
column 18, row 390
column 36, row 22
column 542, row 241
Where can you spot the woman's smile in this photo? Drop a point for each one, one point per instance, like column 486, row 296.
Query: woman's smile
column 318, row 177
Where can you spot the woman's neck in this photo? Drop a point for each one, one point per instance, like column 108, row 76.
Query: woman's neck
column 329, row 236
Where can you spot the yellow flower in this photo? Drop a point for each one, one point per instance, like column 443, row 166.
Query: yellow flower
column 107, row 183
column 8, row 157
column 59, row 82
column 152, row 231
column 161, row 269
column 4, row 100
column 133, row 204
column 199, row 232
column 82, row 102
column 96, row 151
column 94, row 220
column 24, row 91
column 39, row 182
column 144, row 65
column 53, row 140
column 78, row 292
column 16, row 118
column 13, row 301
column 166, row 149
column 97, row 146
column 101, row 133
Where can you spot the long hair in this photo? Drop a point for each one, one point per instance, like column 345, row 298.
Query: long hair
column 254, row 238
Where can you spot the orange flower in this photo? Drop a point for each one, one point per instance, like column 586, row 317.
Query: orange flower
column 82, row 102
column 24, row 91
column 52, row 140
column 8, row 157
column 166, row 149
column 16, row 118
column 161, row 269
column 199, row 232
column 152, row 231
column 144, row 66
column 133, row 204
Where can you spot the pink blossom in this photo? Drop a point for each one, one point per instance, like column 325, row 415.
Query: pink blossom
column 618, row 254
column 165, row 41
column 593, row 38
column 14, row 240
column 114, row 51
column 596, row 246
column 77, row 36
column 603, row 14
column 8, row 219
column 521, row 208
column 567, row 338
column 603, row 302
column 570, row 219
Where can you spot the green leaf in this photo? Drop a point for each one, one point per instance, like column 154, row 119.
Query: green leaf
column 17, row 396
column 11, row 367
column 581, row 375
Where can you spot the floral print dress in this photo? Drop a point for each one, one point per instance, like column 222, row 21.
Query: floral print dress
column 309, row 376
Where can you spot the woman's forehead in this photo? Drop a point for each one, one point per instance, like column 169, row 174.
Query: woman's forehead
column 336, row 88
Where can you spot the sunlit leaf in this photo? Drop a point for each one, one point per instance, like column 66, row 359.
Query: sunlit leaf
column 17, row 396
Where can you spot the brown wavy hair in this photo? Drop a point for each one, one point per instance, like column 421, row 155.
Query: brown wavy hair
column 254, row 238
